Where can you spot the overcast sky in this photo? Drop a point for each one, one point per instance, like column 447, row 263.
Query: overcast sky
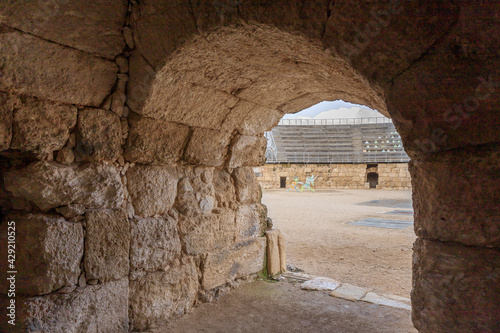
column 336, row 109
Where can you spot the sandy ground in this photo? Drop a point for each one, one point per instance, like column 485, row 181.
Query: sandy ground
column 321, row 241
column 284, row 308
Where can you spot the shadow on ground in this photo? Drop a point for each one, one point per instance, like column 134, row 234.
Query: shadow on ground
column 283, row 307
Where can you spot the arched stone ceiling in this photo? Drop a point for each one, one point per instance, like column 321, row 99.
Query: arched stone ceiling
column 246, row 78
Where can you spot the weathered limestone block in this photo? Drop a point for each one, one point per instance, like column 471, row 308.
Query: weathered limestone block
column 174, row 99
column 154, row 245
column 153, row 141
column 455, row 286
column 207, row 232
column 50, row 185
column 50, row 71
column 107, row 245
column 42, row 126
column 141, row 77
column 453, row 197
column 207, row 147
column 48, row 252
column 238, row 260
column 99, row 135
column 6, row 118
column 160, row 27
column 247, row 188
column 93, row 27
column 225, row 192
column 248, row 151
column 276, row 255
column 152, row 188
column 93, row 309
column 157, row 297
column 248, row 222
column 249, row 118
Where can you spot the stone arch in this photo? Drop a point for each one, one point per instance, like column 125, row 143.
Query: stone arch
column 67, row 79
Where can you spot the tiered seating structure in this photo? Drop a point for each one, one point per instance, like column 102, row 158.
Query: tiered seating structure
column 363, row 143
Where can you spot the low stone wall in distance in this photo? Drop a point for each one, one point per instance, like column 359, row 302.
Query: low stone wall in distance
column 388, row 176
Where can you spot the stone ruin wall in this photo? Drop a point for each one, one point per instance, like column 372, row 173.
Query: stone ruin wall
column 393, row 176
column 108, row 149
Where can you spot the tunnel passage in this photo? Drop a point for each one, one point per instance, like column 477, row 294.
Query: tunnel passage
column 127, row 145
column 372, row 179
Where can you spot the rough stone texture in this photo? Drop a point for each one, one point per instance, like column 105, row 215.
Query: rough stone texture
column 430, row 116
column 248, row 151
column 248, row 222
column 50, row 71
column 157, row 297
column 50, row 185
column 93, row 309
column 247, row 188
column 276, row 254
column 349, row 292
column 6, row 118
column 153, row 141
column 141, row 78
column 470, row 215
column 154, row 245
column 241, row 259
column 99, row 135
column 71, row 210
column 224, row 188
column 107, row 245
column 48, row 252
column 208, row 232
column 207, row 147
column 65, row 156
column 242, row 118
column 455, row 286
column 152, row 188
column 40, row 126
column 91, row 27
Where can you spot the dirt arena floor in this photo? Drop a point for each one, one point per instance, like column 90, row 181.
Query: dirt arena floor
column 321, row 241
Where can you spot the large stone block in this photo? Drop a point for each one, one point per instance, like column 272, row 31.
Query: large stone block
column 49, row 185
column 152, row 141
column 225, row 192
column 455, row 288
column 49, row 71
column 152, row 188
column 453, row 196
column 249, row 118
column 158, row 297
column 93, row 27
column 276, row 254
column 48, row 252
column 248, row 151
column 236, row 261
column 206, row 232
column 154, row 245
column 247, row 188
column 141, row 77
column 107, row 245
column 248, row 221
column 93, row 309
column 207, row 147
column 41, row 126
column 99, row 135
column 6, row 118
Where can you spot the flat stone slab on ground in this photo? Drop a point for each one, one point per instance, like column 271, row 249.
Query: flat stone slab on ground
column 376, row 299
column 349, row 292
column 320, row 283
column 400, row 212
column 393, row 203
column 383, row 223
